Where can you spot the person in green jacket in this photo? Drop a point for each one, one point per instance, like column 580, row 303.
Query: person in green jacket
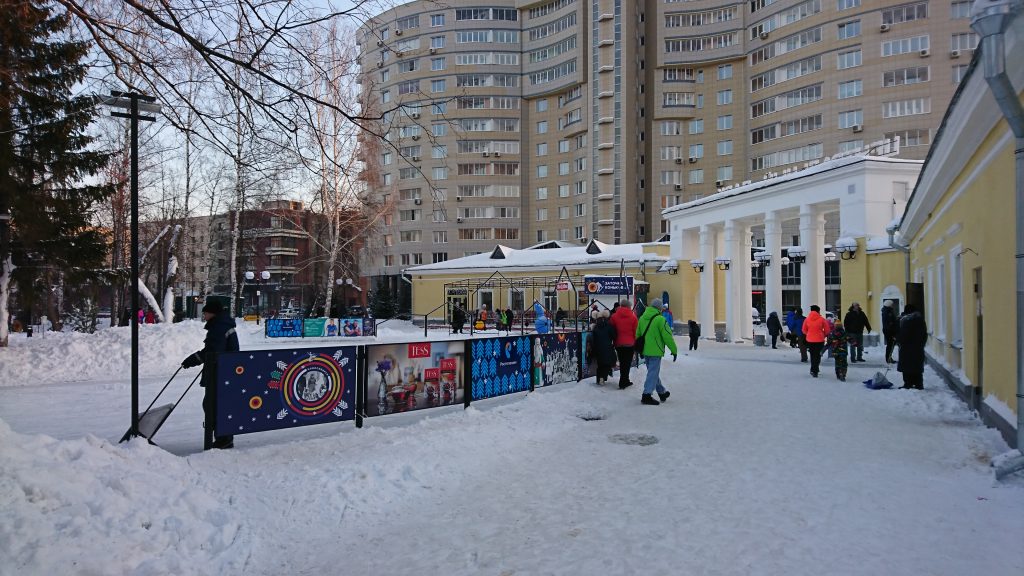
column 657, row 335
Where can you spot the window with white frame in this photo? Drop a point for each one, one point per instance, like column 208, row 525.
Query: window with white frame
column 849, row 59
column 941, row 304
column 850, row 89
column 724, row 173
column 725, row 147
column 930, row 290
column 847, row 145
column 725, row 122
column 724, row 97
column 670, row 127
column 440, row 236
column 956, row 295
column 851, row 118
column 849, row 30
column 542, row 193
column 696, row 177
column 963, row 41
column 904, row 45
column 696, row 150
column 912, row 107
column 960, row 9
column 696, row 126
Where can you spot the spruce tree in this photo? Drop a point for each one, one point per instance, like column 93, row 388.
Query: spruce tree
column 45, row 156
column 382, row 303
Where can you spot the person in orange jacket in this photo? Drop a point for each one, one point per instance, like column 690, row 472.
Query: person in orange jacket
column 816, row 332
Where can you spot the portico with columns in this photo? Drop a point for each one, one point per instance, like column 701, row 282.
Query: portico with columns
column 713, row 236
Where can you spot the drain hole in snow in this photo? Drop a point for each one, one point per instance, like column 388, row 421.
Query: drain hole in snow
column 591, row 414
column 634, row 439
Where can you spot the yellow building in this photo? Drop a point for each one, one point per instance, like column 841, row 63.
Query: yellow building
column 959, row 226
column 551, row 273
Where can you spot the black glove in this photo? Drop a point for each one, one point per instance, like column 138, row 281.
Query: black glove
column 674, row 356
column 190, row 361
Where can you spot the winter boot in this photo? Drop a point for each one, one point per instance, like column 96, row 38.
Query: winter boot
column 625, row 385
column 664, row 395
column 647, row 399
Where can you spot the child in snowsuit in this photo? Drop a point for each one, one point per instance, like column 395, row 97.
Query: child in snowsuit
column 838, row 343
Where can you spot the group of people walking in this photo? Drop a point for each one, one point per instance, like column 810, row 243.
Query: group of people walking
column 844, row 340
column 619, row 335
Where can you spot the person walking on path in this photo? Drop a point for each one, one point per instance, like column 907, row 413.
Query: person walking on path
column 694, row 333
column 624, row 321
column 890, row 328
column 604, row 346
column 790, row 326
column 509, row 319
column 797, row 329
column 458, row 319
column 774, row 328
column 856, row 322
column 913, row 336
column 669, row 319
column 656, row 336
column 220, row 337
column 838, row 343
column 560, row 316
column 815, row 331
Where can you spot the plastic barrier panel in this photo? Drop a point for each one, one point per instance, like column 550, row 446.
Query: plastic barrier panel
column 284, row 327
column 414, row 376
column 500, row 366
column 589, row 369
column 351, row 326
column 556, row 358
column 272, row 389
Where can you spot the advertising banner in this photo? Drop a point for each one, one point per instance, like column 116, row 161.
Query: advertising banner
column 589, row 366
column 608, row 285
column 271, row 389
column 284, row 327
column 556, row 358
column 313, row 327
column 500, row 366
column 351, row 327
column 414, row 376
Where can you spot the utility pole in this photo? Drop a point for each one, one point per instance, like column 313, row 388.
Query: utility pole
column 134, row 104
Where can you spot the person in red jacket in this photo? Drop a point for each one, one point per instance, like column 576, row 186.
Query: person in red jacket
column 816, row 332
column 624, row 321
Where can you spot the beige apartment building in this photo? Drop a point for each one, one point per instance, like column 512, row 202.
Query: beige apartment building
column 517, row 122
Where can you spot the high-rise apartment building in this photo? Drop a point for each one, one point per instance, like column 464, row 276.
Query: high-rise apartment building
column 518, row 122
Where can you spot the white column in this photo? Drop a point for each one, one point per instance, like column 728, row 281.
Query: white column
column 747, row 284
column 812, row 272
column 773, row 273
column 706, row 309
column 733, row 282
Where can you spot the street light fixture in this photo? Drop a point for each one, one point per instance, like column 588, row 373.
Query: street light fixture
column 763, row 258
column 831, row 256
column 723, row 263
column 264, row 276
column 698, row 265
column 797, row 254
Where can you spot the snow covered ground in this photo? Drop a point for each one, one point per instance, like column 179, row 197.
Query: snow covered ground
column 752, row 467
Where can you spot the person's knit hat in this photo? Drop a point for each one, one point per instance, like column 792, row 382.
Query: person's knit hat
column 657, row 303
column 595, row 315
column 213, row 307
column 889, row 304
column 605, row 314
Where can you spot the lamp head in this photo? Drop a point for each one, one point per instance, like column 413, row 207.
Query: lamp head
column 265, row 275
column 249, row 275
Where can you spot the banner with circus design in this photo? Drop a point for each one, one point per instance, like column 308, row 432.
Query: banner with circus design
column 414, row 376
column 272, row 389
column 500, row 366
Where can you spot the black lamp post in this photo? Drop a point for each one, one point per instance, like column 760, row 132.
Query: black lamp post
column 135, row 104
column 264, row 277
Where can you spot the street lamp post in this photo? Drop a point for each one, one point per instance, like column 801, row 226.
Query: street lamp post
column 264, row 277
column 135, row 104
column 343, row 309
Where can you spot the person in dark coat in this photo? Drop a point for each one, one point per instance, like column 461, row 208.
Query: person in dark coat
column 839, row 344
column 890, row 328
column 913, row 335
column 774, row 328
column 694, row 333
column 856, row 322
column 604, row 346
column 509, row 318
column 458, row 319
column 560, row 317
column 220, row 337
column 797, row 330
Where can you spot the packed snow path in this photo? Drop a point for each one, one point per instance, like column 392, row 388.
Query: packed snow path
column 757, row 469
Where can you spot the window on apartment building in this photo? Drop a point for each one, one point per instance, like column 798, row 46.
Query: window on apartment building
column 850, row 89
column 725, row 148
column 849, row 30
column 851, row 118
column 696, row 126
column 723, row 173
column 959, row 72
column 849, row 59
column 440, row 257
column 436, row 20
column 960, row 9
column 725, row 122
column 696, row 150
column 696, row 177
column 724, row 97
column 725, row 71
column 847, row 4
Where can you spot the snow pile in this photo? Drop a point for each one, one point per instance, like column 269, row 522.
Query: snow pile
column 88, row 507
column 74, row 356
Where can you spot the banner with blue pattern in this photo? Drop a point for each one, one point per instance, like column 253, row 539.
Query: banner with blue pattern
column 500, row 366
column 284, row 327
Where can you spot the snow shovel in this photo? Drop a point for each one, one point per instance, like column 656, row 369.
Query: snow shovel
column 166, row 409
column 151, row 419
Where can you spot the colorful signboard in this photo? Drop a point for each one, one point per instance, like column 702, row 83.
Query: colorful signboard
column 352, row 327
column 608, row 285
column 313, row 327
column 414, row 376
column 284, row 327
column 272, row 389
column 500, row 366
column 556, row 358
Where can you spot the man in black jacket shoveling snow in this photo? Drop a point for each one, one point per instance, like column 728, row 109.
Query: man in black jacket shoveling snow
column 220, row 337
